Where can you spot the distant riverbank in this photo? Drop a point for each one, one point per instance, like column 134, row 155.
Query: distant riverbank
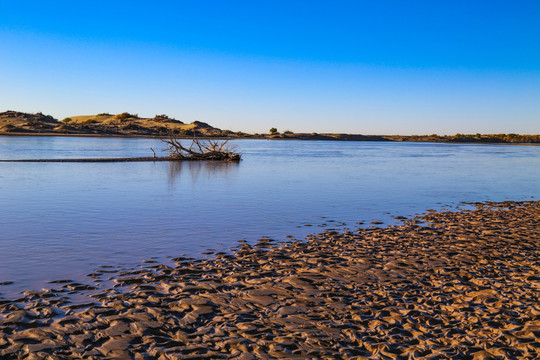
column 502, row 139
column 13, row 123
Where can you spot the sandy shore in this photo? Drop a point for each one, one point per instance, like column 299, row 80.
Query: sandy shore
column 444, row 285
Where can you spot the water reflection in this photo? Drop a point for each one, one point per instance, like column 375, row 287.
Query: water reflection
column 59, row 219
column 200, row 169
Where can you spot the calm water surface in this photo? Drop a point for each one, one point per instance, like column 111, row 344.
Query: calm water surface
column 63, row 220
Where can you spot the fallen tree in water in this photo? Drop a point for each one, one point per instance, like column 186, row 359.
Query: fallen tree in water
column 201, row 149
column 198, row 150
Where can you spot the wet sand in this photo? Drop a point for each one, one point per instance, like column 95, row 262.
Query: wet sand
column 444, row 285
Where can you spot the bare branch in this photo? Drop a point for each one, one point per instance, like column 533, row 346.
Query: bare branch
column 201, row 149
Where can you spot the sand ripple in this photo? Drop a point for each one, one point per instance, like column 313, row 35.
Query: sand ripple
column 444, row 285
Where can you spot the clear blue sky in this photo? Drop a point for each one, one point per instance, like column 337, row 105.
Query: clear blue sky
column 373, row 67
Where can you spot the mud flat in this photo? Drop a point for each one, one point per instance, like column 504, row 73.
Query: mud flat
column 444, row 285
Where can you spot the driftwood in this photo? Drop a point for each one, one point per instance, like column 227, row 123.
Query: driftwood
column 201, row 149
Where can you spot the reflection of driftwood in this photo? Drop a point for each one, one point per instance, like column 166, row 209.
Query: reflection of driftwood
column 201, row 149
column 177, row 170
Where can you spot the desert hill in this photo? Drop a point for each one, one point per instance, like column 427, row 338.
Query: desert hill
column 13, row 122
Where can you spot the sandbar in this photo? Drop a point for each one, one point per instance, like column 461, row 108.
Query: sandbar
column 451, row 284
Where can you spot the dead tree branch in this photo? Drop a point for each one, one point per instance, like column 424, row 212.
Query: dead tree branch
column 201, row 149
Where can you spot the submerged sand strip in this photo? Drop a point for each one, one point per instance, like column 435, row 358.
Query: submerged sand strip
column 466, row 285
column 126, row 159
